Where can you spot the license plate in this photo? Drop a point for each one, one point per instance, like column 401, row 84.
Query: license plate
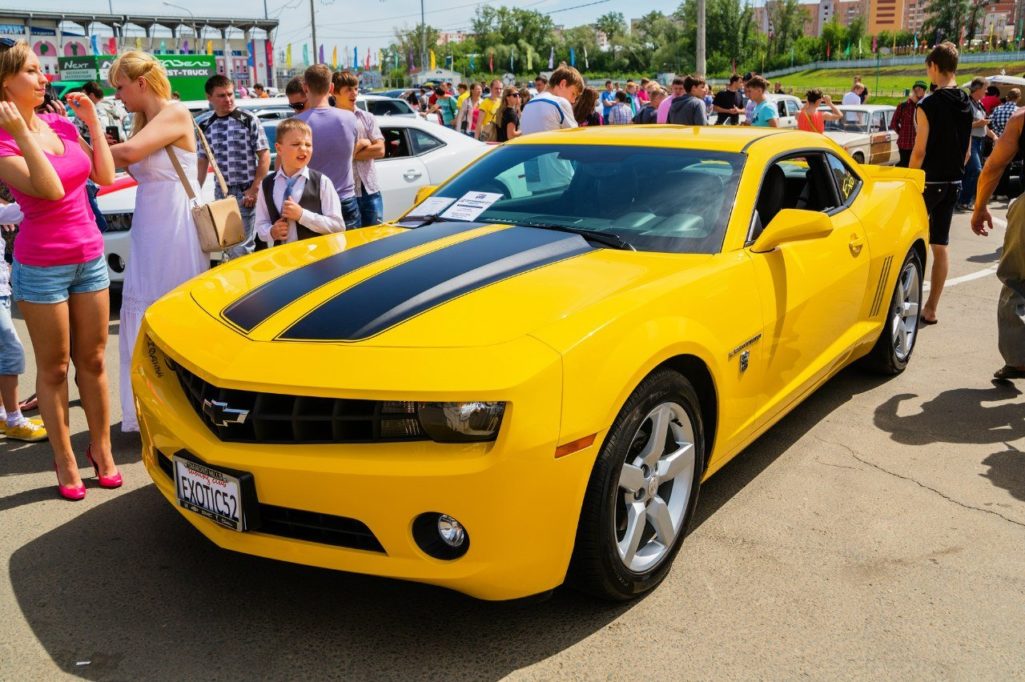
column 209, row 492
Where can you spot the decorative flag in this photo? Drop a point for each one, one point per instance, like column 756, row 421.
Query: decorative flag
column 512, row 58
column 827, row 49
column 251, row 53
column 960, row 41
column 366, row 61
column 306, row 53
column 859, row 47
column 572, row 57
column 355, row 57
column 321, row 60
column 530, row 59
column 185, row 46
column 471, row 63
column 491, row 61
column 268, row 49
column 847, row 50
column 163, row 47
column 288, row 54
column 586, row 64
column 893, row 46
column 916, row 40
column 875, row 43
column 551, row 58
column 138, row 43
column 334, row 57
column 94, row 43
column 210, row 50
column 434, row 62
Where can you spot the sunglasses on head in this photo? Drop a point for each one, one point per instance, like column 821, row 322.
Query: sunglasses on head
column 297, row 106
column 7, row 43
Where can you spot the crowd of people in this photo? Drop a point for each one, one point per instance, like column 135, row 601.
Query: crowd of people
column 325, row 182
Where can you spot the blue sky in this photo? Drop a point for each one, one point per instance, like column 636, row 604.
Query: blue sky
column 362, row 23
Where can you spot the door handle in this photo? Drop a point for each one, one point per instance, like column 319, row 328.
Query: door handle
column 856, row 244
column 412, row 174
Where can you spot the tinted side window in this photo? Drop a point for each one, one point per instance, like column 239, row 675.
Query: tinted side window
column 423, row 142
column 395, row 145
column 847, row 182
column 384, row 107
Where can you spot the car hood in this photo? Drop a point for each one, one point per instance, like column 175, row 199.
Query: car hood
column 443, row 285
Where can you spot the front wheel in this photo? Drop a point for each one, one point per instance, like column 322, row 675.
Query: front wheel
column 642, row 491
column 896, row 342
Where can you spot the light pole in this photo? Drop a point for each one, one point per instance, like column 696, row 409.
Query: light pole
column 699, row 64
column 313, row 27
column 423, row 41
column 193, row 17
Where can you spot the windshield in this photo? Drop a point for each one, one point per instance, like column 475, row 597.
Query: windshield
column 852, row 122
column 654, row 199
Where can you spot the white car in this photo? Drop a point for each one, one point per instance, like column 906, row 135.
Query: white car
column 787, row 107
column 417, row 153
column 864, row 131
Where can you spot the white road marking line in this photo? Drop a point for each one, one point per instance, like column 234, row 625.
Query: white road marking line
column 953, row 282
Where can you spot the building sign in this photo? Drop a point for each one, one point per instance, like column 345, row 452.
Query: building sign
column 188, row 65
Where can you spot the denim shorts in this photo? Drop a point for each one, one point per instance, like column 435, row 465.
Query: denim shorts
column 55, row 283
column 12, row 353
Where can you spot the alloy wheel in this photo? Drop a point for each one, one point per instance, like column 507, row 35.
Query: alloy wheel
column 904, row 315
column 655, row 487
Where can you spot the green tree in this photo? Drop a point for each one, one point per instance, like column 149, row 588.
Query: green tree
column 612, row 25
column 408, row 41
column 944, row 19
column 787, row 18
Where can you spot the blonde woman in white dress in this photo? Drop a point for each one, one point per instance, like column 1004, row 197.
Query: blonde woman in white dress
column 165, row 250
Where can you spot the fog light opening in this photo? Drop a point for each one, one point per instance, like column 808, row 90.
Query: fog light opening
column 441, row 536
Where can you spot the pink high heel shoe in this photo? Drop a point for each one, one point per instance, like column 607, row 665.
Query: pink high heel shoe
column 69, row 492
column 114, row 481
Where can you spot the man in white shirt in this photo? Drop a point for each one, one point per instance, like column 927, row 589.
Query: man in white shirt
column 296, row 202
column 553, row 108
column 853, row 97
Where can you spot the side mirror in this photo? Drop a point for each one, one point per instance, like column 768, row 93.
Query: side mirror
column 423, row 193
column 792, row 225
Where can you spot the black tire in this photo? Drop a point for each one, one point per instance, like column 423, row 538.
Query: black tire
column 885, row 358
column 596, row 566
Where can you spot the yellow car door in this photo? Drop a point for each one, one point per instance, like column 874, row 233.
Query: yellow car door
column 811, row 288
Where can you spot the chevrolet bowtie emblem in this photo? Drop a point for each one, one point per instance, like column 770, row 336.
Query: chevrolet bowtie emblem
column 222, row 415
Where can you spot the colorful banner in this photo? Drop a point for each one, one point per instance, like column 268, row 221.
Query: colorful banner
column 288, row 55
column 572, row 57
column 94, row 43
column 210, row 46
column 434, row 61
column 306, row 54
column 551, row 58
column 334, row 57
column 321, row 60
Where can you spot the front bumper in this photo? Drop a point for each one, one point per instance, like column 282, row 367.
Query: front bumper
column 519, row 505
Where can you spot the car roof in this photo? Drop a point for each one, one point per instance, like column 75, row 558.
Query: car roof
column 712, row 138
column 865, row 107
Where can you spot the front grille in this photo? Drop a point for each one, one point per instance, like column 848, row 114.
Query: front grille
column 326, row 529
column 250, row 417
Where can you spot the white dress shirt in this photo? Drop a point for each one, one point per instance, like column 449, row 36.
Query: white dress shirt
column 330, row 220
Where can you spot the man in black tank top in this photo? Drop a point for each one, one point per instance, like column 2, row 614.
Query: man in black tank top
column 1011, row 271
column 944, row 121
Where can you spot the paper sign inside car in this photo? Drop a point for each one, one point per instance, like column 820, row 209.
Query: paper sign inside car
column 471, row 205
column 430, row 206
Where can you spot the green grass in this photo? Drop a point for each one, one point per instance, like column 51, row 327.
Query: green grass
column 891, row 83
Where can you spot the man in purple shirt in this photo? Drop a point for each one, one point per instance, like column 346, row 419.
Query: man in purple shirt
column 334, row 139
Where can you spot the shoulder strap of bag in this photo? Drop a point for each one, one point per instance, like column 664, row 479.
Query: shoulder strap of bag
column 811, row 123
column 562, row 115
column 210, row 158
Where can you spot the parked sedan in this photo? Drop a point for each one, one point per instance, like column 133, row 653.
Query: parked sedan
column 527, row 379
column 864, row 131
column 417, row 153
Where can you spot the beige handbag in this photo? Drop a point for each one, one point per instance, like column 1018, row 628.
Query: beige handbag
column 219, row 223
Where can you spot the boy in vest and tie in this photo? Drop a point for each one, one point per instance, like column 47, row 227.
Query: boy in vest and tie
column 296, row 202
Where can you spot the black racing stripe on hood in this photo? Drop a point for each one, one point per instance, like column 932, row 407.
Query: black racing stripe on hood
column 260, row 303
column 406, row 290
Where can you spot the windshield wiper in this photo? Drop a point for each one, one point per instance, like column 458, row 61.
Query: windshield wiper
column 610, row 239
column 422, row 220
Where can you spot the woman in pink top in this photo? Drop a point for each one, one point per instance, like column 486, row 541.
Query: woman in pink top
column 59, row 276
column 810, row 119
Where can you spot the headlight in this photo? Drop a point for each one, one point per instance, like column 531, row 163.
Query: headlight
column 460, row 422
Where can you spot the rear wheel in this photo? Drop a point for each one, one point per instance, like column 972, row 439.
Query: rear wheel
column 892, row 351
column 642, row 491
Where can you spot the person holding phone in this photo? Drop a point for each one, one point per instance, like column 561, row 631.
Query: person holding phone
column 111, row 116
column 59, row 278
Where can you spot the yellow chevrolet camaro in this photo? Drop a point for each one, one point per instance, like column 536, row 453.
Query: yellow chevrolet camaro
column 525, row 379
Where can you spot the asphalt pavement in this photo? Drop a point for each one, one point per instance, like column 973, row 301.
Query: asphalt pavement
column 877, row 532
